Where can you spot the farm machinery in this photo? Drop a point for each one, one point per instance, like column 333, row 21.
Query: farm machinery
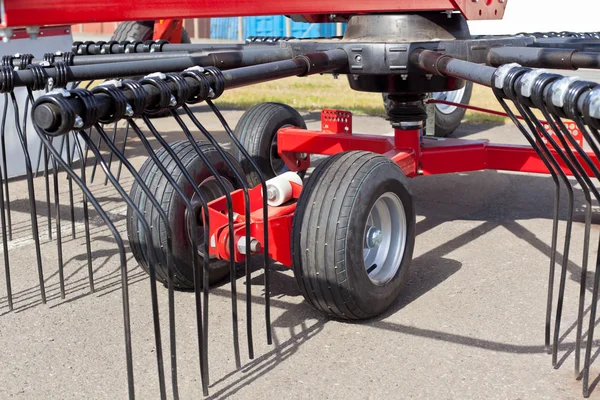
column 197, row 212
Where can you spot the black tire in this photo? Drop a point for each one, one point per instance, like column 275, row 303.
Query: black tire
column 446, row 123
column 141, row 30
column 256, row 131
column 176, row 211
column 328, row 234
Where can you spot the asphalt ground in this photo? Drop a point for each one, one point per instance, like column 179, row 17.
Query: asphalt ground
column 468, row 325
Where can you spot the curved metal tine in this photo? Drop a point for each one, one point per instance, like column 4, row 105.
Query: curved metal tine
column 169, row 255
column 266, row 260
column 247, row 236
column 596, row 287
column 153, row 260
column 86, row 218
column 32, row 205
column 4, row 165
column 193, row 238
column 122, row 257
column 586, row 185
column 123, row 147
column 98, row 146
column 5, row 250
column 232, row 267
column 70, row 164
column 55, row 171
column 555, row 172
column 592, row 166
column 202, row 342
column 110, row 157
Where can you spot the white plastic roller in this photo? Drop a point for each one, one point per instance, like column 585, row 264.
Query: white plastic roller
column 279, row 189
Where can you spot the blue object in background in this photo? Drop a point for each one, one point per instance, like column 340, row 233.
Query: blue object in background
column 271, row 25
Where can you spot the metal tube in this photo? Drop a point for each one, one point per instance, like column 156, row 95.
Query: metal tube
column 543, row 57
column 222, row 60
column 47, row 116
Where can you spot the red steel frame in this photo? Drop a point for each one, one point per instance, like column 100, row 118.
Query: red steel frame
column 414, row 153
column 19, row 13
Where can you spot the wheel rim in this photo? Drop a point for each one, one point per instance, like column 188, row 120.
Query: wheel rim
column 277, row 164
column 211, row 190
column 454, row 96
column 384, row 239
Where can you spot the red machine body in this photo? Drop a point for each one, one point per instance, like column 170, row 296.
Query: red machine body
column 19, row 13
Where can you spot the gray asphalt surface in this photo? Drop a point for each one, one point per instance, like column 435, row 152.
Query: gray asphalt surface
column 468, row 325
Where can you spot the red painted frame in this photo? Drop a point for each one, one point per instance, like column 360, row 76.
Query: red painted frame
column 414, row 153
column 19, row 13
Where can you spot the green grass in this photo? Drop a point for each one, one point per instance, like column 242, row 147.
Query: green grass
column 322, row 91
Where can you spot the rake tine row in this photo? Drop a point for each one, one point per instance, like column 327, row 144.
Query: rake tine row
column 122, row 255
column 558, row 97
column 149, row 249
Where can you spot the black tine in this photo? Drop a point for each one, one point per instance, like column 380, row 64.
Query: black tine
column 123, row 261
column 193, row 237
column 98, row 146
column 169, row 253
column 232, row 266
column 5, row 250
column 198, row 282
column 37, row 170
column 247, row 265
column 70, row 164
column 58, row 225
column 110, row 157
column 86, row 219
column 266, row 260
column 47, row 184
column 124, row 145
column 555, row 172
column 31, row 190
column 4, row 165
column 149, row 250
column 581, row 177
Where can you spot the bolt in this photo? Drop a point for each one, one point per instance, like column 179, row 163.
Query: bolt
column 374, row 237
column 50, row 83
column 78, row 122
column 173, row 101
column 271, row 193
column 255, row 245
column 128, row 110
column 301, row 156
column 358, row 58
column 332, row 17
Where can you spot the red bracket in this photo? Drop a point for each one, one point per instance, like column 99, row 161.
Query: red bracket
column 336, row 121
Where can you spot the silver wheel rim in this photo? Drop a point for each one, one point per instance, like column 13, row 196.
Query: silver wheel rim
column 454, row 96
column 384, row 239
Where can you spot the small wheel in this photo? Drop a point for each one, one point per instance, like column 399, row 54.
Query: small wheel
column 448, row 118
column 353, row 235
column 141, row 30
column 257, row 132
column 176, row 210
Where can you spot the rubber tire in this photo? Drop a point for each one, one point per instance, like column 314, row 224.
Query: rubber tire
column 327, row 234
column 175, row 210
column 141, row 30
column 445, row 124
column 255, row 131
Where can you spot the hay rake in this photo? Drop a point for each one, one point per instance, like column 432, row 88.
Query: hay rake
column 195, row 211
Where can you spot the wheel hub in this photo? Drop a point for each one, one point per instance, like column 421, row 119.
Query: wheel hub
column 385, row 238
